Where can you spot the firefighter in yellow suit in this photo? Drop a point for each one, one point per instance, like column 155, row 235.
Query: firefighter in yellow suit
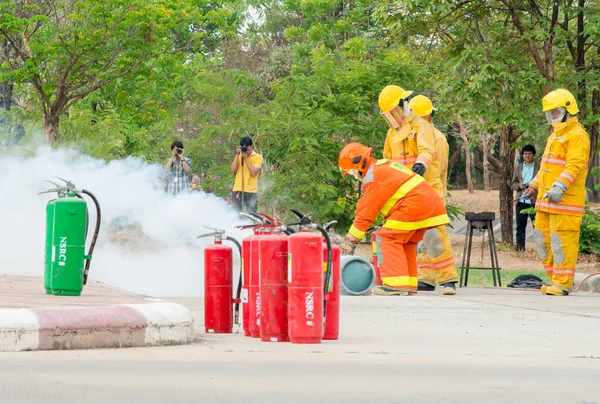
column 435, row 259
column 560, row 186
column 410, row 140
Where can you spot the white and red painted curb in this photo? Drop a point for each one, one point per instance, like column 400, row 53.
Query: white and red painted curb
column 119, row 326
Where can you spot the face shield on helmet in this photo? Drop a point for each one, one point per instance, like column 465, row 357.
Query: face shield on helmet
column 396, row 116
column 556, row 115
column 353, row 172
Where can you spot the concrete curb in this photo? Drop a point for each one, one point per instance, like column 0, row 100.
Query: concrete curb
column 117, row 326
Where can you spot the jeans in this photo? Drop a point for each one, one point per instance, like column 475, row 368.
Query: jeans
column 522, row 224
column 250, row 200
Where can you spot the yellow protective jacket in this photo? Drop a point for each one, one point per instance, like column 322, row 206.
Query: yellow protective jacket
column 442, row 150
column 565, row 159
column 415, row 142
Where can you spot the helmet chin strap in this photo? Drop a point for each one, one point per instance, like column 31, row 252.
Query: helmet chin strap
column 406, row 109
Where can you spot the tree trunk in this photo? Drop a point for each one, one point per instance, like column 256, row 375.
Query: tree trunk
column 468, row 168
column 465, row 138
column 455, row 156
column 6, row 95
column 50, row 127
column 486, row 169
column 507, row 159
column 494, row 164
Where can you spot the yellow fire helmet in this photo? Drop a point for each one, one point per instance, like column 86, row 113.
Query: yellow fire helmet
column 421, row 105
column 390, row 97
column 560, row 98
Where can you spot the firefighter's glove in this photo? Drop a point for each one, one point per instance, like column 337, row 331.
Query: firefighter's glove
column 419, row 168
column 555, row 194
column 349, row 244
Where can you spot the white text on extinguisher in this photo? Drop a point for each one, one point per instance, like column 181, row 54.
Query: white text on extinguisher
column 309, row 304
column 62, row 252
column 257, row 308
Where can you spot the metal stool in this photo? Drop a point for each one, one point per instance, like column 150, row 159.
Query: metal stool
column 482, row 222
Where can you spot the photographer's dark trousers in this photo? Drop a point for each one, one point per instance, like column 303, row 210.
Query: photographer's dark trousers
column 522, row 224
column 250, row 200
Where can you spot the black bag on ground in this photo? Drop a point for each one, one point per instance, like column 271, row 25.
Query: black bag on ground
column 526, row 282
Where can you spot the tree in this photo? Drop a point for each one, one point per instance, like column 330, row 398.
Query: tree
column 497, row 64
column 6, row 87
column 465, row 132
column 67, row 49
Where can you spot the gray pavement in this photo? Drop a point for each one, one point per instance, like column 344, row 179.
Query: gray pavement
column 483, row 345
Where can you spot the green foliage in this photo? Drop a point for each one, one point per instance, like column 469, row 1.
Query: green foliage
column 301, row 77
column 589, row 238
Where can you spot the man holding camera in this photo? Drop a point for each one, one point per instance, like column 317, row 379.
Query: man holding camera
column 246, row 166
column 523, row 175
column 178, row 168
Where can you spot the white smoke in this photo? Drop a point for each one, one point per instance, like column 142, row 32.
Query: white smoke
column 147, row 242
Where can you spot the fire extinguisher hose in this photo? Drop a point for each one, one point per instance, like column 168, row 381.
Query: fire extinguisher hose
column 329, row 266
column 95, row 236
column 238, row 292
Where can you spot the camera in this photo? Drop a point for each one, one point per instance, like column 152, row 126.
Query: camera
column 178, row 150
column 244, row 149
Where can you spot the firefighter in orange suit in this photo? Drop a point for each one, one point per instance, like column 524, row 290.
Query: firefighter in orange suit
column 436, row 261
column 560, row 187
column 409, row 206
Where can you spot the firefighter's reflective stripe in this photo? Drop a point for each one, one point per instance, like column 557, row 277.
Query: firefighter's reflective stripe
column 553, row 161
column 408, row 160
column 569, row 272
column 431, row 222
column 401, row 193
column 425, row 161
column 438, row 265
column 359, row 234
column 559, row 207
column 400, row 281
column 566, row 177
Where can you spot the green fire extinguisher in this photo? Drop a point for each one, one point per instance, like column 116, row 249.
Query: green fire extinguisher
column 67, row 219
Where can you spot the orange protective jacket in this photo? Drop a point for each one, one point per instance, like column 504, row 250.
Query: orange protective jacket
column 405, row 199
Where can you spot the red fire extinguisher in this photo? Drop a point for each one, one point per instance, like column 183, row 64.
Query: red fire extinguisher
column 375, row 260
column 332, row 314
column 263, row 225
column 273, row 290
column 218, row 284
column 306, row 286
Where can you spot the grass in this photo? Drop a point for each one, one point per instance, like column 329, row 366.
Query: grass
column 506, row 276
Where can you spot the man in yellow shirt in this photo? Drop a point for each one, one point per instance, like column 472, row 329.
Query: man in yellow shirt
column 246, row 166
column 436, row 262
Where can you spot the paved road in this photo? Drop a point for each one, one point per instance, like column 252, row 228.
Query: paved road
column 480, row 346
